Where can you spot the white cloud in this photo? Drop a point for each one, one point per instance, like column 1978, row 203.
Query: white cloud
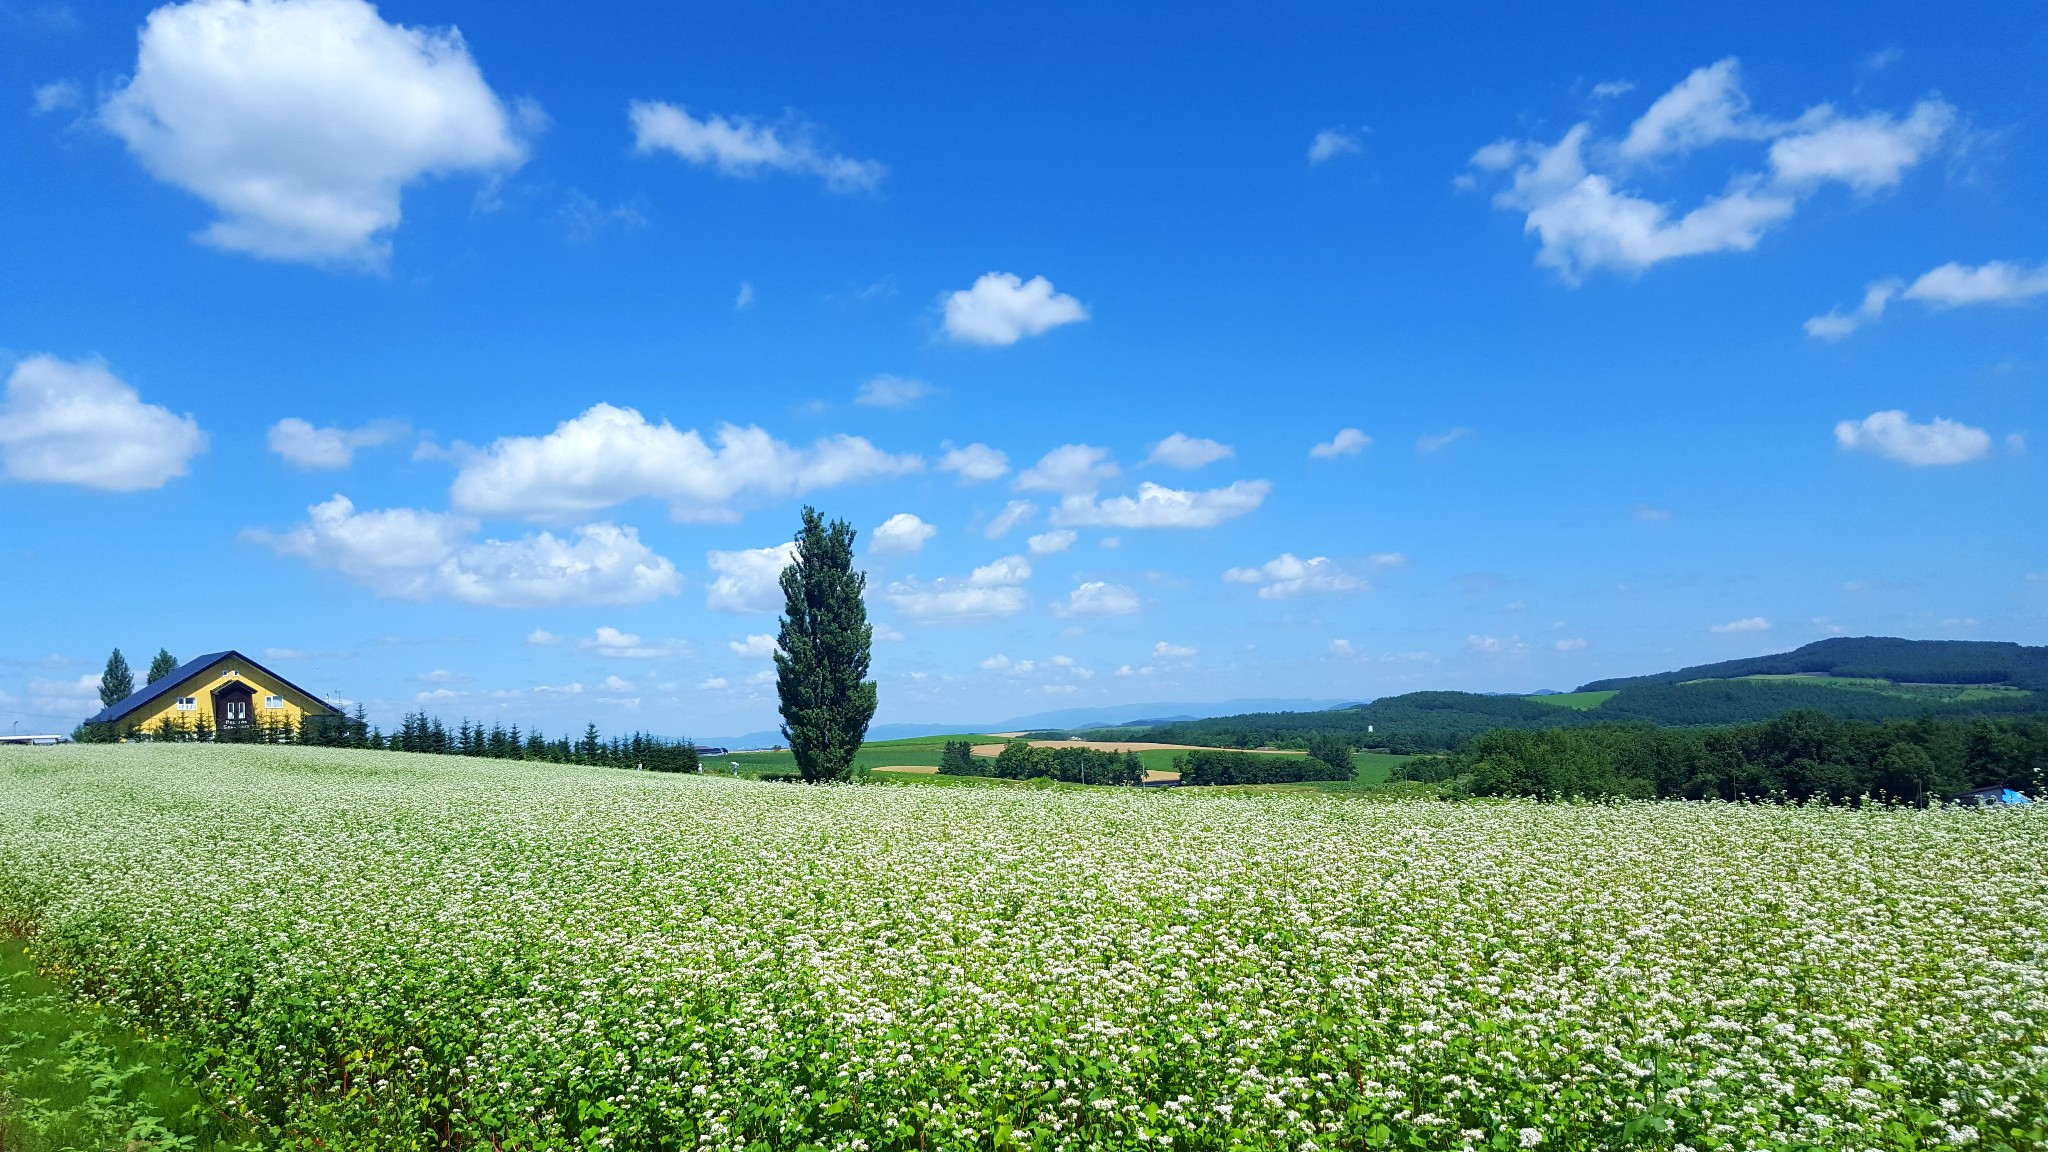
column 409, row 554
column 1571, row 197
column 741, row 146
column 1649, row 513
column 974, row 463
column 1752, row 624
column 891, row 392
column 995, row 663
column 1949, row 286
column 617, row 684
column 760, row 646
column 1609, row 89
column 1570, row 645
column 1837, row 324
column 902, row 534
column 1347, row 442
column 1166, row 651
column 1001, row 309
column 627, row 646
column 745, row 299
column 749, row 580
column 1069, row 468
column 56, row 96
column 1892, row 435
column 575, row 689
column 1013, row 514
column 1287, row 576
column 76, row 423
column 543, row 638
column 1495, row 646
column 608, row 455
column 887, row 633
column 301, row 444
column 1047, row 543
column 1344, row 648
column 1183, row 451
column 1438, row 441
column 712, row 683
column 1157, row 506
column 995, row 589
column 1098, row 598
column 302, row 121
column 1331, row 143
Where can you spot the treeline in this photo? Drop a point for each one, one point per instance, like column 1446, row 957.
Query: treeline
column 1879, row 658
column 1020, row 761
column 419, row 732
column 1799, row 756
column 1207, row 767
column 1416, row 722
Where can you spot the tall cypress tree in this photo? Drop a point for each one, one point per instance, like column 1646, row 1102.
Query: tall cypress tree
column 821, row 665
column 117, row 683
column 163, row 665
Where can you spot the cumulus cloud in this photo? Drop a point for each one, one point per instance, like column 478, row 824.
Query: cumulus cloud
column 1345, row 649
column 1098, row 598
column 974, row 463
column 1002, row 308
column 744, row 147
column 1069, row 468
column 1287, row 576
column 1013, row 514
column 1752, row 624
column 56, row 96
column 992, row 590
column 749, row 579
column 760, row 646
column 410, row 554
column 1495, row 646
column 1331, row 143
column 1047, row 543
column 306, row 446
column 1569, row 645
column 1438, row 441
column 1166, row 651
column 619, row 645
column 608, row 455
column 891, row 392
column 1894, row 436
column 1574, row 200
column 541, row 637
column 302, row 121
column 66, row 422
column 1347, row 442
column 902, row 534
column 1183, row 451
column 1157, row 506
column 1949, row 286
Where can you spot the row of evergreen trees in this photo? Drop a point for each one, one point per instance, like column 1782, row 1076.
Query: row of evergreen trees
column 117, row 682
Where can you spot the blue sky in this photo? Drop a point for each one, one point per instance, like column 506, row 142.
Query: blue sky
column 470, row 356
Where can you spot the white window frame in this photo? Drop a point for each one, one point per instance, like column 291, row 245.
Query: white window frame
column 273, row 702
column 188, row 703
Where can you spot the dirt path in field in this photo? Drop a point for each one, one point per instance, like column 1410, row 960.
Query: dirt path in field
column 915, row 769
column 1126, row 746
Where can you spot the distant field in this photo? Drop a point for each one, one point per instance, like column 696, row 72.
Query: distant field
column 1374, row 767
column 1578, row 700
column 1904, row 691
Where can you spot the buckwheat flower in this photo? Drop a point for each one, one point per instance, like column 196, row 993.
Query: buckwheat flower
column 1531, row 1137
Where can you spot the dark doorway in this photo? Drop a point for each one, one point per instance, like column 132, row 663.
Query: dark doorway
column 231, row 705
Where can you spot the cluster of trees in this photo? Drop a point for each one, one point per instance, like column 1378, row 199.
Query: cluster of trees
column 1329, row 758
column 1020, row 761
column 117, row 682
column 1877, row 657
column 1801, row 755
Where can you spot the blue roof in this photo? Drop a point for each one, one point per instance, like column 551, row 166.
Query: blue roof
column 176, row 678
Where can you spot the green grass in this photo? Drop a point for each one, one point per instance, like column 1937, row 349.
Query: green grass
column 1904, row 691
column 70, row 1079
column 1577, row 700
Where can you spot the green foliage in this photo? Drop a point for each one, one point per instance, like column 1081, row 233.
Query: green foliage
column 1334, row 751
column 1019, row 760
column 958, row 759
column 1579, row 700
column 117, row 683
column 821, row 658
column 163, row 665
column 1205, row 767
column 1878, row 658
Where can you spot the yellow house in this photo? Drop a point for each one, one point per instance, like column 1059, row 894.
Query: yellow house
column 221, row 690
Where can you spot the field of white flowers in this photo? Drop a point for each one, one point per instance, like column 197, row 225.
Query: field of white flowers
column 367, row 950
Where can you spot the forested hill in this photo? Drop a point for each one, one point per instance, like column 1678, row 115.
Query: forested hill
column 1874, row 657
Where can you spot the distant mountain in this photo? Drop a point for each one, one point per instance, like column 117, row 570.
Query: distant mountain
column 1876, row 657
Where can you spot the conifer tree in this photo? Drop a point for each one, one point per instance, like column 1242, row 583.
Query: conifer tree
column 117, row 683
column 821, row 661
column 163, row 665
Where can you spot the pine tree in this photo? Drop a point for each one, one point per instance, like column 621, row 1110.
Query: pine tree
column 163, row 665
column 117, row 683
column 821, row 662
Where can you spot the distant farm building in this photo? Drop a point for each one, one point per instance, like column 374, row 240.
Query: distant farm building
column 221, row 691
column 1996, row 796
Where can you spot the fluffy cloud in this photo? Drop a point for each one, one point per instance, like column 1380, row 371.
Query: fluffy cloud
column 1347, row 442
column 992, row 590
column 1892, row 435
column 1165, row 651
column 302, row 444
column 1287, row 576
column 891, row 392
column 1949, row 286
column 627, row 646
column 608, row 455
column 1068, row 468
column 1013, row 514
column 1098, row 598
column 1752, row 624
column 1157, row 506
column 740, row 146
column 1331, row 143
column 414, row 555
column 974, row 463
column 1569, row 645
column 76, row 423
column 56, row 96
column 901, row 534
column 1438, row 441
column 1183, row 451
column 1001, row 309
column 1571, row 197
column 749, row 580
column 302, row 121
column 1047, row 543
column 760, row 646
column 543, row 638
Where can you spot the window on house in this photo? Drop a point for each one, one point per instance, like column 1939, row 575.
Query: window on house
column 273, row 701
column 188, row 703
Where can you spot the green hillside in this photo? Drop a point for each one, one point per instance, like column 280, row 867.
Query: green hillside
column 1877, row 658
